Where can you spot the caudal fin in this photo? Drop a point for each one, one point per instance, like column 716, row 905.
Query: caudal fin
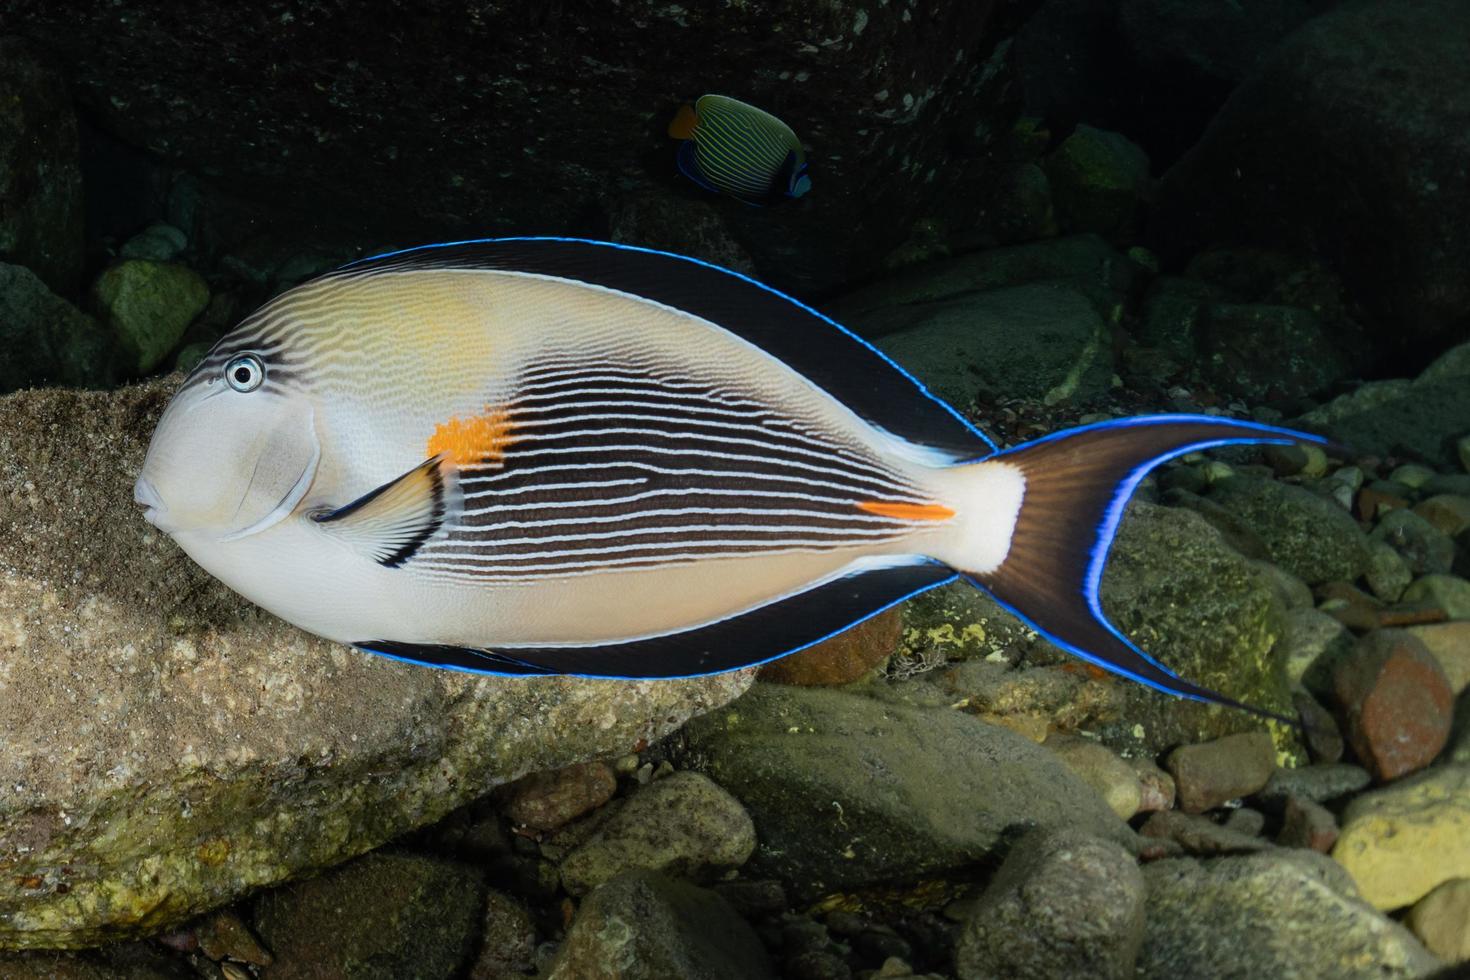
column 1077, row 483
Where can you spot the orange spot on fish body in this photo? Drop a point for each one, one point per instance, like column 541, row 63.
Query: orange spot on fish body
column 906, row 512
column 682, row 126
column 477, row 439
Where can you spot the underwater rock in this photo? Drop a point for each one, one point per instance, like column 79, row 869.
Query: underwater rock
column 1099, row 767
column 842, row 659
column 1085, row 263
column 46, row 340
column 1174, row 311
column 1304, row 533
column 682, row 824
column 1023, row 210
column 40, row 169
column 1402, row 841
column 662, row 218
column 545, row 801
column 1309, row 636
column 1196, row 834
column 1387, row 574
column 170, row 747
column 384, row 915
column 1449, row 643
column 507, row 940
column 1421, row 418
column 1064, row 904
column 1441, row 920
column 1287, row 914
column 847, row 791
column 644, row 926
column 1318, row 783
column 159, row 242
column 1353, row 166
column 1308, row 825
column 1040, row 341
column 1097, row 178
column 131, row 962
column 1216, row 772
column 1395, row 703
column 1448, row 592
column 1425, row 548
column 459, row 120
column 149, row 305
column 1262, row 353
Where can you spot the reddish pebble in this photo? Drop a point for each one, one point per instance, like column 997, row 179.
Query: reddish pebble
column 844, row 658
column 545, row 801
column 1212, row 773
column 1395, row 703
column 1307, row 824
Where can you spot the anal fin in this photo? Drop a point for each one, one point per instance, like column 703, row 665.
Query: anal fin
column 390, row 523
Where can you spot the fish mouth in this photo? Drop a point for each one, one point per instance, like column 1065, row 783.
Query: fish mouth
column 145, row 494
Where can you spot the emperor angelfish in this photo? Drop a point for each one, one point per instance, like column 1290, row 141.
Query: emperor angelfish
column 556, row 456
column 733, row 148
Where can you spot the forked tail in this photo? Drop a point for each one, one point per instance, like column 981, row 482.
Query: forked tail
column 1077, row 483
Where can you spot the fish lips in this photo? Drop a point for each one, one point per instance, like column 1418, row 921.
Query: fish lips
column 146, row 495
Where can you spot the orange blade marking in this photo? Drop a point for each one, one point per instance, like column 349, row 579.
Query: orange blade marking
column 906, row 512
column 477, row 439
column 681, row 127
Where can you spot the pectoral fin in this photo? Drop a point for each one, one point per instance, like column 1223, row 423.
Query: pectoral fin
column 391, row 523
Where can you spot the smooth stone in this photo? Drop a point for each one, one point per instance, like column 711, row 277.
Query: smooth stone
column 173, row 805
column 1412, row 475
column 1101, row 768
column 1198, row 834
column 1425, row 548
column 507, row 940
column 645, row 926
column 544, row 801
column 1309, row 635
column 847, row 791
column 1063, row 904
column 1317, row 783
column 47, row 340
column 1319, row 729
column 1290, row 914
column 149, row 305
column 384, row 915
column 1441, row 920
column 1304, row 533
column 844, row 658
column 1097, row 179
column 1448, row 592
column 1395, row 703
column 1449, row 643
column 683, row 824
column 1307, row 824
column 1387, row 574
column 1402, row 841
column 1156, row 787
column 1208, row 775
column 1447, row 511
column 159, row 242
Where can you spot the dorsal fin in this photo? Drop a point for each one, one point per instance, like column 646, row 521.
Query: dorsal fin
column 390, row 523
column 821, row 350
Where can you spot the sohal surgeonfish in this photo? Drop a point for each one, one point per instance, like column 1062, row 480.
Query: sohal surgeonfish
column 555, row 456
column 732, row 148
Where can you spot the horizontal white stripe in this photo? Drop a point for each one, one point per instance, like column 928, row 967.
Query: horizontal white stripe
column 856, row 516
column 674, row 532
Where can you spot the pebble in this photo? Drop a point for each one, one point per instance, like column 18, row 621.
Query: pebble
column 159, row 242
column 508, row 940
column 1425, row 548
column 149, row 305
column 645, row 926
column 1101, row 768
column 545, row 801
column 1449, row 643
column 1213, row 773
column 816, row 964
column 1307, row 824
column 1450, row 513
column 1351, row 606
column 1412, row 475
column 844, row 658
column 1319, row 728
column 225, row 936
column 752, row 898
column 682, row 824
column 1448, row 592
column 1441, row 920
column 1387, row 574
column 1402, row 841
column 1319, row 784
column 1308, row 634
column 1156, row 787
column 1453, row 483
column 1198, row 834
column 1377, row 499
column 1244, row 820
column 1063, row 904
column 1395, row 703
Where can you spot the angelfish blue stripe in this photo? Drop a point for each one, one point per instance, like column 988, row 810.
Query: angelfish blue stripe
column 919, row 385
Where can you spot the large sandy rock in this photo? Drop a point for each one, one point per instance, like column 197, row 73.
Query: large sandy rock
column 168, row 747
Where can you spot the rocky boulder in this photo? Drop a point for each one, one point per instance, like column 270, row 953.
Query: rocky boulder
column 1348, row 142
column 169, row 747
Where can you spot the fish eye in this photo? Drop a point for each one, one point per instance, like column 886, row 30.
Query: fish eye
column 245, row 372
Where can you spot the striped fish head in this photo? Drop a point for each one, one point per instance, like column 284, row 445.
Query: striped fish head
column 234, row 452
